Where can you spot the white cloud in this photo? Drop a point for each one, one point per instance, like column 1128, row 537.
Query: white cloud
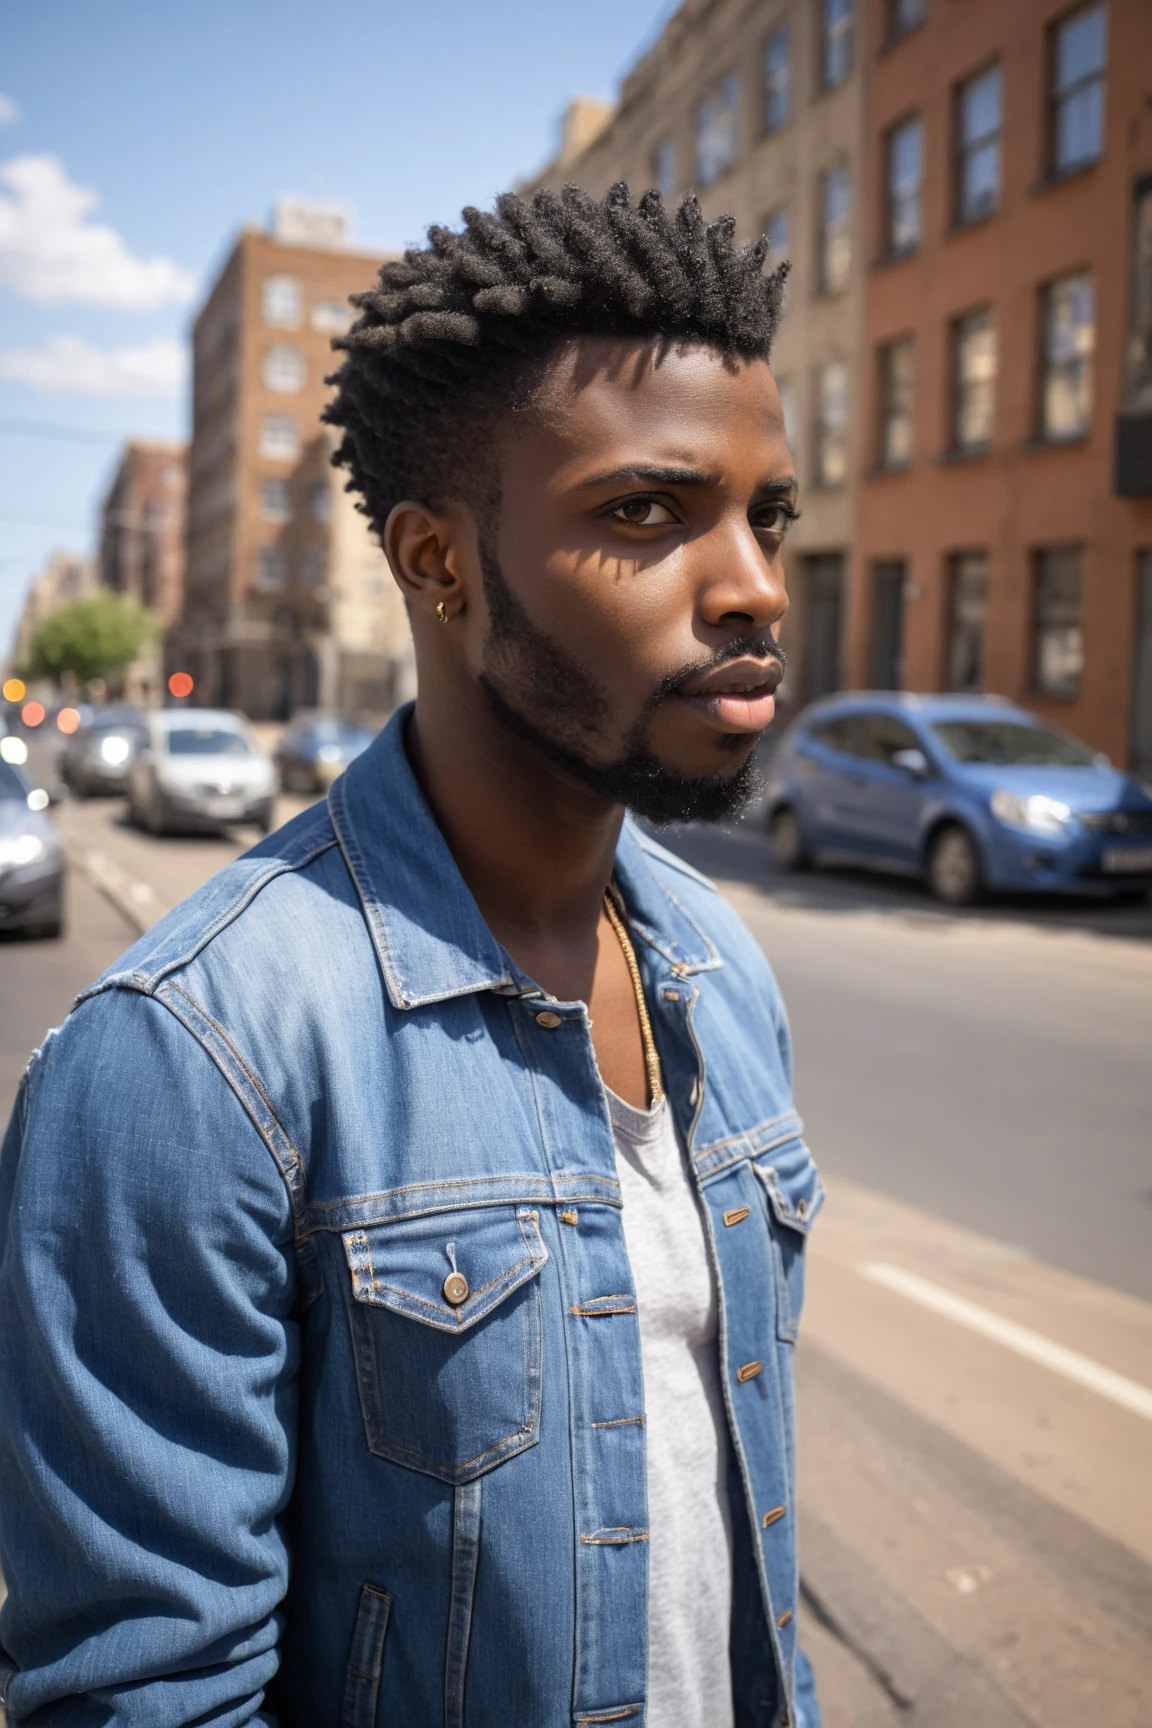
column 70, row 366
column 51, row 252
column 9, row 110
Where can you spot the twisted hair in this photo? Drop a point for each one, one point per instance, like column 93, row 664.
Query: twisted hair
column 457, row 332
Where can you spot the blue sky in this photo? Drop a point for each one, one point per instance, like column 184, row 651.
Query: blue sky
column 181, row 122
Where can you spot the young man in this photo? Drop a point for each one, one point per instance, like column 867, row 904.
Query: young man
column 404, row 1243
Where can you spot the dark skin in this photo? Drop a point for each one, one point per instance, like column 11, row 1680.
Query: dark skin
column 643, row 504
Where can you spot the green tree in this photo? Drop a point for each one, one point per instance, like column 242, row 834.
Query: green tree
column 92, row 638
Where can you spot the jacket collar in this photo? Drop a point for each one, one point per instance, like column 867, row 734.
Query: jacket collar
column 430, row 937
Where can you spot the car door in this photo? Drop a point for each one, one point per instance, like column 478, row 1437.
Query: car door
column 829, row 772
column 885, row 801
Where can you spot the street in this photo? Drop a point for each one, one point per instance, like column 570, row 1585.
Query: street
column 975, row 1370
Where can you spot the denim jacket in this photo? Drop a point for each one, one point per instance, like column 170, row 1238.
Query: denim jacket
column 255, row 1465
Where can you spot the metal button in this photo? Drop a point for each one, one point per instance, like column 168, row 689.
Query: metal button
column 548, row 1020
column 456, row 1289
column 783, row 1619
column 774, row 1516
column 749, row 1371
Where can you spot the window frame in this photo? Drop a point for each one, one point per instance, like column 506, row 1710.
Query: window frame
column 1057, row 98
column 955, row 445
column 769, row 126
column 963, row 149
column 1070, row 690
column 825, row 285
column 885, row 354
column 666, row 188
column 831, row 34
column 731, row 110
column 904, row 126
column 1044, row 435
column 823, row 426
column 953, row 571
column 282, row 281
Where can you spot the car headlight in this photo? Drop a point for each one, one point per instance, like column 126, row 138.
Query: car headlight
column 13, row 750
column 115, row 751
column 1036, row 812
column 18, row 849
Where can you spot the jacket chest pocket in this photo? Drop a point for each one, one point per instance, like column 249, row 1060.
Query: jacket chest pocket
column 795, row 1195
column 447, row 1333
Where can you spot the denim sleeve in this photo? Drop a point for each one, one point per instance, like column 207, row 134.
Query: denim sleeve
column 147, row 1382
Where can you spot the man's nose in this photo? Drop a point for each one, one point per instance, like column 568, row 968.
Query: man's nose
column 739, row 584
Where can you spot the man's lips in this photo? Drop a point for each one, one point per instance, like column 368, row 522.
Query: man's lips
column 736, row 697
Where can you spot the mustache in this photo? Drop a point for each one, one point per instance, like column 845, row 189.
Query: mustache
column 758, row 645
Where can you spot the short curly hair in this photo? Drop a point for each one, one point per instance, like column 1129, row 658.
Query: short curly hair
column 457, row 332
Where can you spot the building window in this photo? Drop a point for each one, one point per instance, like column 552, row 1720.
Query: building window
column 1138, row 366
column 978, row 146
column 835, row 42
column 717, row 124
column 311, row 567
column 271, row 569
column 974, row 389
column 1057, row 633
column 888, row 583
column 276, row 500
column 664, row 167
column 835, row 238
column 905, row 174
column 777, row 80
column 776, row 233
column 283, row 302
column 1069, row 338
column 283, row 370
column 787, row 393
column 332, row 317
column 967, row 611
column 905, row 15
column 896, row 369
column 320, row 500
column 832, row 424
column 279, row 439
column 1079, row 51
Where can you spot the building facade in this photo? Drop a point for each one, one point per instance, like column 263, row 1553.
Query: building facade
column 268, row 570
column 66, row 578
column 1004, row 534
column 142, row 523
column 759, row 109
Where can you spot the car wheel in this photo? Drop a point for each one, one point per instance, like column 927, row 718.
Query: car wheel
column 786, row 840
column 954, row 872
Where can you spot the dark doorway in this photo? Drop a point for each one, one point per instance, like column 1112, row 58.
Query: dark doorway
column 823, row 604
column 1142, row 669
column 967, row 611
column 888, row 625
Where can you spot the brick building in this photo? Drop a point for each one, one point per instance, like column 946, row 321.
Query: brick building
column 142, row 522
column 269, row 582
column 759, row 108
column 1004, row 521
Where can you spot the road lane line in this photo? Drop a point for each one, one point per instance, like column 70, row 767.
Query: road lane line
column 134, row 900
column 1105, row 1382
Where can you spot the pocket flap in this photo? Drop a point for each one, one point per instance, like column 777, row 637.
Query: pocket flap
column 404, row 1266
column 792, row 1180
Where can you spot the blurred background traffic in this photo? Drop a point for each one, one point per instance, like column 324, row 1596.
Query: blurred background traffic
column 951, row 860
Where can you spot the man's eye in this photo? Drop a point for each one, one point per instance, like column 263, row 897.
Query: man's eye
column 643, row 513
column 777, row 519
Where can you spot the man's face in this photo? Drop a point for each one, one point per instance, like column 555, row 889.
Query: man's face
column 635, row 579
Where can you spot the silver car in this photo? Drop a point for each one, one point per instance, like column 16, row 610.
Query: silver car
column 200, row 768
column 31, row 860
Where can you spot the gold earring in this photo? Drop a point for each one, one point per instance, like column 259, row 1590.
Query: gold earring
column 441, row 611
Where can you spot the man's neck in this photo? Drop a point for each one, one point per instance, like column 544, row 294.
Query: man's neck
column 535, row 848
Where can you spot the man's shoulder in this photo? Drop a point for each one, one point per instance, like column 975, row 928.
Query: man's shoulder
column 243, row 902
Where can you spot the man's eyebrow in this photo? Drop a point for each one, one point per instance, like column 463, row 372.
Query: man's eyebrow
column 651, row 477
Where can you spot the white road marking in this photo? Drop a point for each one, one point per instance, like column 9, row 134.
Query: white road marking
column 1105, row 1382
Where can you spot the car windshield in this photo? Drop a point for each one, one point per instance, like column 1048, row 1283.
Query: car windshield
column 206, row 741
column 1011, row 743
column 119, row 729
column 12, row 784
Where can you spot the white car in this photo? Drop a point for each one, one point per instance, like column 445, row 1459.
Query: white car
column 200, row 768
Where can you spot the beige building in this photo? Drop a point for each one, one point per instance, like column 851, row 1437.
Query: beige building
column 142, row 548
column 65, row 578
column 281, row 609
column 759, row 108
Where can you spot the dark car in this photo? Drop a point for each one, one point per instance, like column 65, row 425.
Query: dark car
column 31, row 859
column 971, row 793
column 317, row 747
column 97, row 757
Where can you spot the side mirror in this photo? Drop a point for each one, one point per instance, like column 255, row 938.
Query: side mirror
column 913, row 762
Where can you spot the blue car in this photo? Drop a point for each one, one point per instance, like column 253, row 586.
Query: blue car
column 971, row 793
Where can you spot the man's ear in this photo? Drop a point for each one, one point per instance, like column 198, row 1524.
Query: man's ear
column 427, row 551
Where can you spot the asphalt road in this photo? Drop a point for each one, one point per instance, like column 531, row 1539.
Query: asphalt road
column 975, row 1375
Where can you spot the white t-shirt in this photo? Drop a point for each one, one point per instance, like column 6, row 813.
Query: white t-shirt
column 689, row 1529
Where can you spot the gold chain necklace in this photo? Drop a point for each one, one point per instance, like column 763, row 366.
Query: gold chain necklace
column 614, row 909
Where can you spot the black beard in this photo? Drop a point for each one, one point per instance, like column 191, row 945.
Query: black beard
column 526, row 672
